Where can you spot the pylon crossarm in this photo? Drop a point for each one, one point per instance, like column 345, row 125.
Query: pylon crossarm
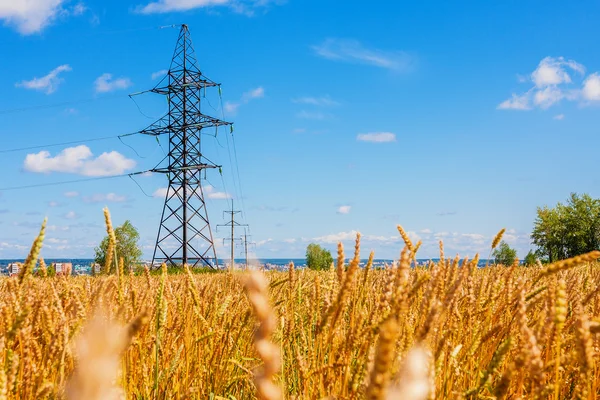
column 186, row 168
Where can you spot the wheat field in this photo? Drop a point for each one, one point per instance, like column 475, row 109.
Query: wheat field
column 449, row 330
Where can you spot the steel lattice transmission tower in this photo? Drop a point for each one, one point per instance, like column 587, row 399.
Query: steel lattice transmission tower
column 184, row 235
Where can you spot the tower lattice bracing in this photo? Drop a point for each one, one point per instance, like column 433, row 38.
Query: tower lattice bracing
column 184, row 235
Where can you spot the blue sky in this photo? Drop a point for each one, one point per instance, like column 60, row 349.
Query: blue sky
column 454, row 120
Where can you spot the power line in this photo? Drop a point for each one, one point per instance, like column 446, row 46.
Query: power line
column 237, row 167
column 228, row 150
column 138, row 185
column 71, row 181
column 61, row 104
column 114, row 31
column 41, row 146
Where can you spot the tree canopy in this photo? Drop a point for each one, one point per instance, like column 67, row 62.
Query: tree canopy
column 317, row 257
column 127, row 245
column 504, row 254
column 567, row 230
column 530, row 259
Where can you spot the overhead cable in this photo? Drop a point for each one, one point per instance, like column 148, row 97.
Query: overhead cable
column 41, row 146
column 97, row 178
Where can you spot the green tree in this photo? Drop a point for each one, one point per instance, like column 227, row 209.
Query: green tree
column 530, row 259
column 127, row 246
column 567, row 230
column 504, row 254
column 317, row 257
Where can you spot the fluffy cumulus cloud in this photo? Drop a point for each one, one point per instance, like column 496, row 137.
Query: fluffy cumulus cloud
column 106, row 83
column 48, row 83
column 158, row 74
column 376, row 137
column 232, row 107
column 352, row 51
column 344, row 209
column 554, row 71
column 555, row 79
column 337, row 237
column 32, row 16
column 591, row 87
column 212, row 193
column 516, row 102
column 160, row 193
column 246, row 7
column 78, row 160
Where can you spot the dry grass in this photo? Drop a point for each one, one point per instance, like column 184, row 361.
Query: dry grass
column 444, row 331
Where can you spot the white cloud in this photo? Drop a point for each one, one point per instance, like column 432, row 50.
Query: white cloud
column 591, row 87
column 245, row 7
column 517, row 102
column 559, row 117
column 314, row 115
column 325, row 101
column 552, row 81
column 53, row 204
column 263, row 242
column 105, row 83
column 55, row 228
column 100, row 198
column 71, row 215
column 353, row 51
column 211, row 193
column 78, row 160
column 47, row 84
column 253, row 94
column 160, row 193
column 344, row 209
column 376, row 137
column 30, row 16
column 164, row 6
column 337, row 237
column 78, row 9
column 158, row 74
column 473, row 236
column 232, row 107
column 552, row 71
column 71, row 194
column 548, row 96
column 56, row 241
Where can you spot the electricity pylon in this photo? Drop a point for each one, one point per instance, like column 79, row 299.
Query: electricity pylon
column 184, row 235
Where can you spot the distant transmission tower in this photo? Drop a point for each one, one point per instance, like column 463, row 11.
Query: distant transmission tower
column 232, row 224
column 184, row 235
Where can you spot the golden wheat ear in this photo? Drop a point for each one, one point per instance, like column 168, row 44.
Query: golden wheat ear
column 256, row 289
column 98, row 353
column 34, row 253
column 414, row 378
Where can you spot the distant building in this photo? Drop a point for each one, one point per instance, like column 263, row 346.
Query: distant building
column 13, row 269
column 63, row 268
